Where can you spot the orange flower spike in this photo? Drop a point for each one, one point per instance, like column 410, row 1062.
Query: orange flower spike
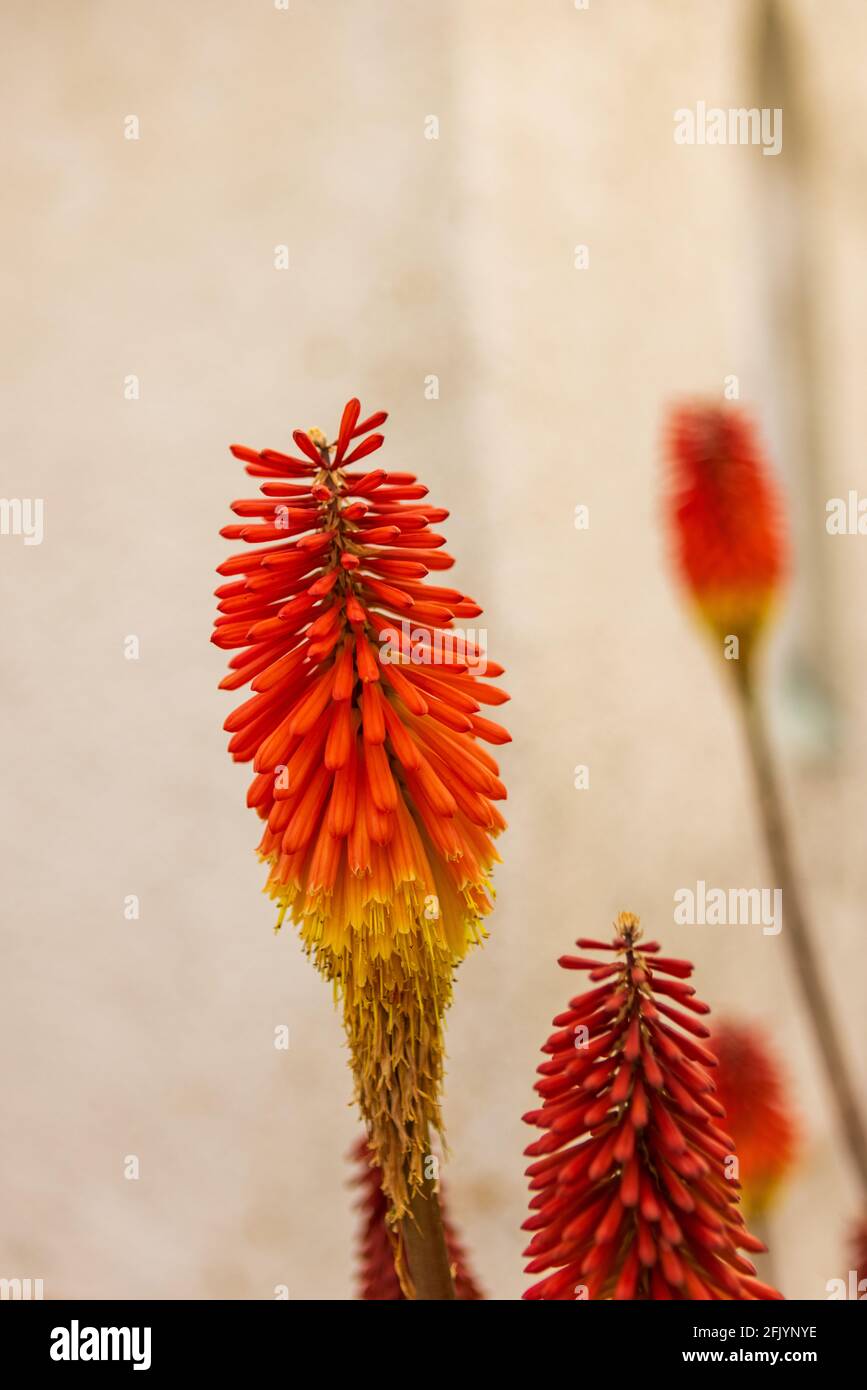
column 726, row 521
column 362, row 728
column 632, row 1191
column 751, row 1090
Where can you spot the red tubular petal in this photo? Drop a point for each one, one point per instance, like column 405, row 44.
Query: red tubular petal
column 306, row 445
column 348, row 421
column 340, row 736
column 668, row 966
column 373, row 713
column 367, row 446
column 411, row 697
column 379, row 778
column 372, row 422
column 365, row 660
column 341, row 809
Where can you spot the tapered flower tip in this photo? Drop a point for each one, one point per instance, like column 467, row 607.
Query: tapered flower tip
column 751, row 1088
column 726, row 519
column 379, row 1248
column 635, row 1192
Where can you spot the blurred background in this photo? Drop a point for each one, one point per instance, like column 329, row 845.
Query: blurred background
column 148, row 326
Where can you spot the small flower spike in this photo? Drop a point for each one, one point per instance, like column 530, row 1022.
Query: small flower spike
column 632, row 1194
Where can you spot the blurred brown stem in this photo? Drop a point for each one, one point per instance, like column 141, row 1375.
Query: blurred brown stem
column 424, row 1242
column 797, row 931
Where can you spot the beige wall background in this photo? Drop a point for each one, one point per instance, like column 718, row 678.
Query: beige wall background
column 407, row 257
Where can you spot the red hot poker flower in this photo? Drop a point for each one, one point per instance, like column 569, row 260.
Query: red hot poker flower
column 725, row 518
column 751, row 1090
column 378, row 1277
column 631, row 1195
column 366, row 736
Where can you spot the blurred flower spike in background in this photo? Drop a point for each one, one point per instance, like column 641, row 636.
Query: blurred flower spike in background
column 726, row 520
column 750, row 1087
